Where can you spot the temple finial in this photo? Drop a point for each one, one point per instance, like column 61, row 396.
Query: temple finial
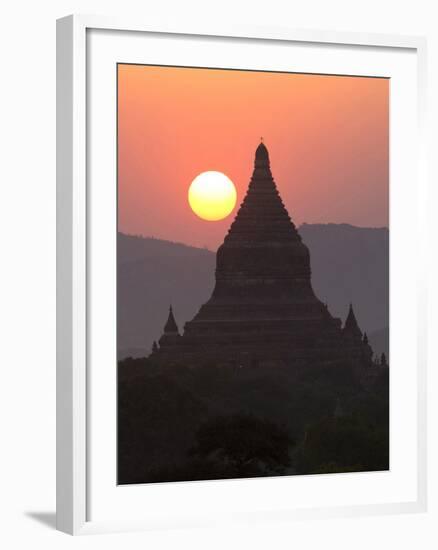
column 261, row 155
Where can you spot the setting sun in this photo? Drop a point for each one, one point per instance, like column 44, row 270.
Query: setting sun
column 212, row 196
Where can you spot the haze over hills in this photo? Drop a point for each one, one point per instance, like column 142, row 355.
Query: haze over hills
column 349, row 264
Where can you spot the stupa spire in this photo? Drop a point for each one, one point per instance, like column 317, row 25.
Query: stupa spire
column 262, row 216
column 171, row 327
column 351, row 327
column 171, row 335
column 261, row 155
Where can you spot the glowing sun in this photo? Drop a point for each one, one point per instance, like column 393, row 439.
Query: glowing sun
column 212, row 196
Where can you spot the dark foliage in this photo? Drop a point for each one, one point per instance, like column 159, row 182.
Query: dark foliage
column 178, row 423
column 244, row 443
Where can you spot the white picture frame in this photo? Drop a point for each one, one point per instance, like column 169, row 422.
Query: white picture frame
column 75, row 398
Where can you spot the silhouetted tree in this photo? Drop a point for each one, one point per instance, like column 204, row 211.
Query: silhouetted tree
column 246, row 444
column 175, row 422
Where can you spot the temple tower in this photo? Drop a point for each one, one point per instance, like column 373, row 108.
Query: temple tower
column 263, row 309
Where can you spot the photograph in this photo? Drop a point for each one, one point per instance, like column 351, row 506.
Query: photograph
column 219, row 275
column 252, row 274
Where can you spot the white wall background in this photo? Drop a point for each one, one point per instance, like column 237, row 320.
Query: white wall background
column 27, row 273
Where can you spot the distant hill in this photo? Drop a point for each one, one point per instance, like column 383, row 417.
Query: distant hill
column 348, row 264
column 152, row 274
column 351, row 264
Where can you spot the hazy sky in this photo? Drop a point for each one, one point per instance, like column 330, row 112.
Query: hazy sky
column 327, row 137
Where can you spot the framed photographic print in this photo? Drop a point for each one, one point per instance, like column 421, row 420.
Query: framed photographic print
column 241, row 293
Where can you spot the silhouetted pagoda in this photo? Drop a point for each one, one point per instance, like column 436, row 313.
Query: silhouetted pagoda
column 263, row 309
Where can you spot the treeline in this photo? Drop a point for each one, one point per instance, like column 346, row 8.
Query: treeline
column 176, row 423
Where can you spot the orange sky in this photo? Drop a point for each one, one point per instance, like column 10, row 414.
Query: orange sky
column 327, row 137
